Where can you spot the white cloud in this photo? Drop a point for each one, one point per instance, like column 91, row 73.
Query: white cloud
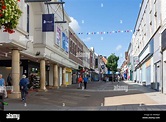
column 87, row 39
column 74, row 24
column 118, row 47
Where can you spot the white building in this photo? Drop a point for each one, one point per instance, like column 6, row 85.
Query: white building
column 163, row 44
column 147, row 43
column 30, row 50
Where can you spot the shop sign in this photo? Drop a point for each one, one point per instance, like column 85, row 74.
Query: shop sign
column 68, row 70
column 48, row 23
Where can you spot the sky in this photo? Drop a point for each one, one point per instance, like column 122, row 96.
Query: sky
column 106, row 25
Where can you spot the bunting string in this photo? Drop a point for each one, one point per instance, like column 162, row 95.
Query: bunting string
column 110, row 32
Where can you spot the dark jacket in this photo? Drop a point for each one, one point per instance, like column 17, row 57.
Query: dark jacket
column 24, row 84
column 86, row 79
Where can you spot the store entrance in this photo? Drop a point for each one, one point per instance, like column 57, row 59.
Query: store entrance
column 34, row 77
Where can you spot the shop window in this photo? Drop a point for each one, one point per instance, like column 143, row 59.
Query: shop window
column 163, row 41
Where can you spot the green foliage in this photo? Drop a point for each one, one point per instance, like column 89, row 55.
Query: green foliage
column 112, row 63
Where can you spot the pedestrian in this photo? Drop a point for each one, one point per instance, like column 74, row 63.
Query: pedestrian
column 9, row 80
column 106, row 79
column 2, row 86
column 118, row 78
column 80, row 80
column 24, row 88
column 85, row 82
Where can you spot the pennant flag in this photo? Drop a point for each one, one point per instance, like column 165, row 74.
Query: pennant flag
column 102, row 5
column 92, row 33
column 82, row 21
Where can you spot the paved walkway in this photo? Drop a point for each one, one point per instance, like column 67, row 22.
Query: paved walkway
column 99, row 96
column 159, row 97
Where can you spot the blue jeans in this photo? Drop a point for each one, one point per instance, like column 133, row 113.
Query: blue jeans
column 85, row 84
column 23, row 95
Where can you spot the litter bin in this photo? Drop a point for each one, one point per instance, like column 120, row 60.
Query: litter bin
column 152, row 85
column 1, row 101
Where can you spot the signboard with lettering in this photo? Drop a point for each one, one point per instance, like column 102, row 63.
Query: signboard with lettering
column 65, row 42
column 48, row 23
column 58, row 36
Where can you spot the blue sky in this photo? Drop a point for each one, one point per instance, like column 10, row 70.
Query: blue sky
column 104, row 16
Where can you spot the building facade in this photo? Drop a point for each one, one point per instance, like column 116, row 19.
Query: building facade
column 30, row 50
column 147, row 42
column 75, row 53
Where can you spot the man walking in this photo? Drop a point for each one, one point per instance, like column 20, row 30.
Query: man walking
column 9, row 80
column 24, row 88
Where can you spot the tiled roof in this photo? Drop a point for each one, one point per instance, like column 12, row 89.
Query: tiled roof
column 104, row 60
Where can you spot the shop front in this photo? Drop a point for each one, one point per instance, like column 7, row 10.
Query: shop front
column 68, row 76
column 74, row 76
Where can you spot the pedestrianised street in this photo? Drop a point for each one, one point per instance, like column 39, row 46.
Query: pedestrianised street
column 98, row 96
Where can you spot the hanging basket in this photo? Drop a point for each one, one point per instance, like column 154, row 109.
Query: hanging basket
column 10, row 14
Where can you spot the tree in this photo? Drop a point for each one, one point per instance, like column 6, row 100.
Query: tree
column 112, row 63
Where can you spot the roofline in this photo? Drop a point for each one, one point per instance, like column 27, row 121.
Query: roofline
column 138, row 15
column 129, row 47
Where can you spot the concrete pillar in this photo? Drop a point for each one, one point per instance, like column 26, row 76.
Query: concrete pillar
column 55, row 76
column 15, row 74
column 64, row 77
column 42, row 75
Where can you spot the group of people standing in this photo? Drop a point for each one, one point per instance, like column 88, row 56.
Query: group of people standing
column 23, row 84
column 3, row 84
column 82, row 80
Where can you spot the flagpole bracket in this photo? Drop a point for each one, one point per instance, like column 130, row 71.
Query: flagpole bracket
column 61, row 2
